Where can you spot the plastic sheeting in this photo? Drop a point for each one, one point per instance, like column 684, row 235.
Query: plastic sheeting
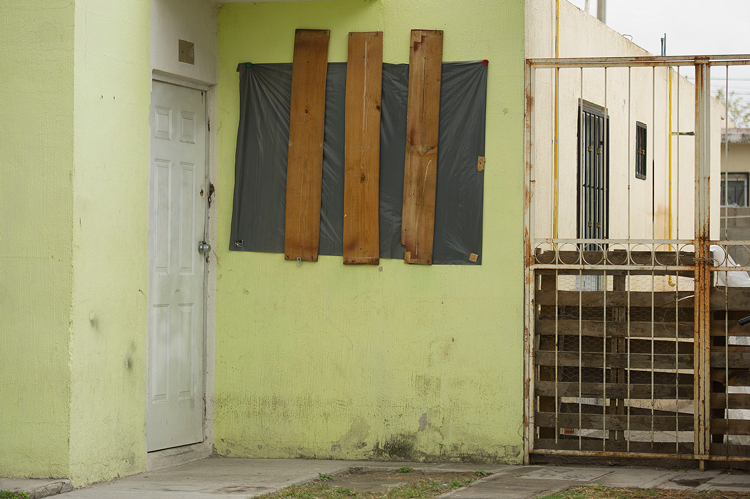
column 262, row 148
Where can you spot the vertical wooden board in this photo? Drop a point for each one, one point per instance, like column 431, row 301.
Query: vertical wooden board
column 305, row 164
column 420, row 168
column 364, row 81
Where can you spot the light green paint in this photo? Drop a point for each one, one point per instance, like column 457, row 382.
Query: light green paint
column 36, row 210
column 74, row 137
column 110, row 226
column 335, row 361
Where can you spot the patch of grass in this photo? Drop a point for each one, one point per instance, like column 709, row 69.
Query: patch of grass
column 602, row 492
column 7, row 494
column 325, row 477
column 426, row 488
column 479, row 472
column 403, row 469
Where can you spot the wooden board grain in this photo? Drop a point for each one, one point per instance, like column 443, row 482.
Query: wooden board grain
column 615, row 422
column 364, row 81
column 305, row 163
column 420, row 168
column 618, row 329
column 615, row 390
column 659, row 299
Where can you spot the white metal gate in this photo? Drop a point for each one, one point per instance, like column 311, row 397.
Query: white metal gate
column 632, row 342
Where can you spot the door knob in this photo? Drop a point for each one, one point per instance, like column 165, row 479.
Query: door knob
column 204, row 247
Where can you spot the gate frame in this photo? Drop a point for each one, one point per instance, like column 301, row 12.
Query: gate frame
column 702, row 241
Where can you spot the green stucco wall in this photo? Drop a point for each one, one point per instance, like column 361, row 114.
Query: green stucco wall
column 36, row 213
column 74, row 136
column 351, row 362
column 110, row 227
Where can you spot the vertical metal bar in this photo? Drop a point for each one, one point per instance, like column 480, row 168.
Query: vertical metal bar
column 726, row 153
column 653, row 358
column 556, row 166
column 530, row 279
column 604, row 356
column 580, row 355
column 702, row 242
column 677, row 222
column 653, row 236
column 630, row 126
column 653, row 151
column 726, row 348
column 627, row 351
column 557, row 349
column 677, row 354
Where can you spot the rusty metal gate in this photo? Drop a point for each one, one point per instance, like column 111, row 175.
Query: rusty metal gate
column 632, row 295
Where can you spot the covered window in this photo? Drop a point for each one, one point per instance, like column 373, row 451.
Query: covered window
column 734, row 189
column 640, row 150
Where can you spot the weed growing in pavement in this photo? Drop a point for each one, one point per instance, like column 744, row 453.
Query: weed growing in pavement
column 403, row 469
column 7, row 494
column 325, row 477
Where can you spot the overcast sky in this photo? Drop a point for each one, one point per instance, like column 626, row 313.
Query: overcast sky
column 710, row 27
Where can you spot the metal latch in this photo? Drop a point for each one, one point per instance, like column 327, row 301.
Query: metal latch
column 204, row 247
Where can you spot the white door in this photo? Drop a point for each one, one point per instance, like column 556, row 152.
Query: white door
column 177, row 212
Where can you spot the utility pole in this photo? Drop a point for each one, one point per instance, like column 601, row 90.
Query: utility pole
column 601, row 10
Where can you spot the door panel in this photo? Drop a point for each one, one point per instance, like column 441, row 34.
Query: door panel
column 177, row 222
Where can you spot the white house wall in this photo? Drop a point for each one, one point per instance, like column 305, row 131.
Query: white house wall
column 190, row 20
column 641, row 96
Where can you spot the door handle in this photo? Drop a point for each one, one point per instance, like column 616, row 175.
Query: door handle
column 204, row 247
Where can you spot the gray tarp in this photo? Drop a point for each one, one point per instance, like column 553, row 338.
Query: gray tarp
column 262, row 148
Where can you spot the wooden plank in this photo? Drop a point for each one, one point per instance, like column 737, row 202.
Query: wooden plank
column 730, row 426
column 617, row 257
column 592, row 374
column 615, row 390
column 730, row 360
column 721, row 327
column 736, row 299
column 364, row 81
column 616, row 329
column 572, row 408
column 305, row 162
column 571, row 343
column 614, row 422
column 594, row 445
column 734, row 450
column 666, row 299
column 736, row 400
column 617, row 360
column 420, row 168
column 737, row 377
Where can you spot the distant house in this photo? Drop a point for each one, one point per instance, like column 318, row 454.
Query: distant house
column 131, row 337
column 735, row 177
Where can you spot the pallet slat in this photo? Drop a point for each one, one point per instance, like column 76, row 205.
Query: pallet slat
column 615, row 329
column 615, row 422
column 364, row 79
column 730, row 426
column 597, row 445
column 617, row 360
column 305, row 162
column 736, row 400
column 614, row 390
column 641, row 299
column 420, row 169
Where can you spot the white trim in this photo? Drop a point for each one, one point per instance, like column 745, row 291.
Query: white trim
column 180, row 81
column 176, row 456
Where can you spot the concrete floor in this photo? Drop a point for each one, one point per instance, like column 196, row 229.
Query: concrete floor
column 232, row 477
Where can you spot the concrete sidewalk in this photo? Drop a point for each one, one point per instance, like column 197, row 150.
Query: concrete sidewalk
column 232, row 477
